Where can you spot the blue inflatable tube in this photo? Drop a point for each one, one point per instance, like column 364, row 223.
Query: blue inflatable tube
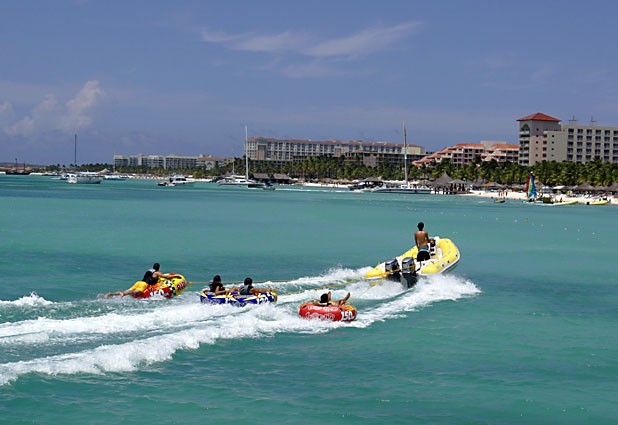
column 235, row 298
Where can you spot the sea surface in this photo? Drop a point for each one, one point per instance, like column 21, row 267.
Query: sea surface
column 523, row 331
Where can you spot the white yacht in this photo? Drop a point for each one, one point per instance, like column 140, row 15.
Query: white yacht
column 240, row 181
column 176, row 180
column 84, row 177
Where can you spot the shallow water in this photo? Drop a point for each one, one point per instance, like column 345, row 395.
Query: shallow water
column 520, row 332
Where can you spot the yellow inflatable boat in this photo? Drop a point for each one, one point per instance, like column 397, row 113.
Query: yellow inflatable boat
column 444, row 257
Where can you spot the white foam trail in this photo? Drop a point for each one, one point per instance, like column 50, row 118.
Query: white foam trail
column 30, row 301
column 133, row 340
column 427, row 291
column 256, row 322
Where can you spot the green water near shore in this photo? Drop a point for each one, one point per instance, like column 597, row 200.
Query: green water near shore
column 520, row 332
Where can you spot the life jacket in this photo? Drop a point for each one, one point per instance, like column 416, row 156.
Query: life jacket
column 245, row 290
column 148, row 277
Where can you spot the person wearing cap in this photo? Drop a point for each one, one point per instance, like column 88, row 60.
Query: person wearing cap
column 151, row 277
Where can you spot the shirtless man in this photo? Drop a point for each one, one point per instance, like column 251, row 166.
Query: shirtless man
column 422, row 243
column 325, row 300
column 151, row 277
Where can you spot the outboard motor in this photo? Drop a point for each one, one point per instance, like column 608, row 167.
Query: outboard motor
column 392, row 268
column 408, row 272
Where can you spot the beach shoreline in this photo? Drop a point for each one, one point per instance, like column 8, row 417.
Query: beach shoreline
column 522, row 196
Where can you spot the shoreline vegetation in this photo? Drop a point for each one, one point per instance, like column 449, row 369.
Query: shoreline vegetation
column 491, row 191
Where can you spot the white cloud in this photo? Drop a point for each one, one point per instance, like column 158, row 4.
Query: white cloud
column 362, row 43
column 276, row 43
column 49, row 114
column 6, row 113
column 78, row 108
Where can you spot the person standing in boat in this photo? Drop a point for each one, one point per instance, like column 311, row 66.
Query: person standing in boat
column 421, row 237
column 151, row 277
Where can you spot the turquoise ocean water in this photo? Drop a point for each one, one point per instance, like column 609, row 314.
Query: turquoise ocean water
column 522, row 332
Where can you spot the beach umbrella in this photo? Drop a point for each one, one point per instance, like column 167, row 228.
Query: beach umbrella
column 613, row 187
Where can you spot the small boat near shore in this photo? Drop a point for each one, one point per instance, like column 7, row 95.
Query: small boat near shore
column 444, row 257
column 558, row 201
column 176, row 180
column 84, row 177
column 598, row 202
column 235, row 298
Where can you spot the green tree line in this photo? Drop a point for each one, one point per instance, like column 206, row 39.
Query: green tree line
column 596, row 172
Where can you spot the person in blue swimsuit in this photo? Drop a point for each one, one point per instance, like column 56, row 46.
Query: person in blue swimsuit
column 421, row 237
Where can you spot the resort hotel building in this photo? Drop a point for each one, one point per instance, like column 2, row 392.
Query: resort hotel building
column 170, row 161
column 371, row 154
column 543, row 138
column 464, row 153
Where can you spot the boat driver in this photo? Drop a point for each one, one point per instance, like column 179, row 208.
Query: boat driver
column 421, row 237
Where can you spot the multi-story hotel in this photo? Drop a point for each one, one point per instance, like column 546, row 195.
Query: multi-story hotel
column 169, row 161
column 280, row 152
column 465, row 153
column 543, row 138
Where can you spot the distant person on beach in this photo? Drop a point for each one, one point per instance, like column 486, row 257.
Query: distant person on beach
column 325, row 300
column 421, row 237
column 248, row 289
column 151, row 277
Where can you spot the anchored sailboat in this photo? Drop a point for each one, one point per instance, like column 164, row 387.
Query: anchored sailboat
column 240, row 181
column 406, row 187
column 83, row 177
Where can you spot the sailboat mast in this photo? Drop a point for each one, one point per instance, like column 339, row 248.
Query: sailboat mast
column 405, row 155
column 246, row 157
column 75, row 153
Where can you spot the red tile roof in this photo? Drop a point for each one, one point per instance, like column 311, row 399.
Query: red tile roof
column 539, row 117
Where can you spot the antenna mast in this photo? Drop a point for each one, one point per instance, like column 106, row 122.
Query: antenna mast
column 246, row 157
column 405, row 155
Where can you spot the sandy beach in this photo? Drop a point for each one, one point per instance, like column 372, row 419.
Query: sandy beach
column 521, row 196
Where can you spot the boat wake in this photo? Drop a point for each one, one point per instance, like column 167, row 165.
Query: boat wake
column 123, row 335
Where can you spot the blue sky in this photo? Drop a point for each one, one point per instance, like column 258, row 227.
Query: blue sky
column 185, row 77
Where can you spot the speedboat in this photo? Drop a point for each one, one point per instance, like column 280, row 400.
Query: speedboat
column 444, row 257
